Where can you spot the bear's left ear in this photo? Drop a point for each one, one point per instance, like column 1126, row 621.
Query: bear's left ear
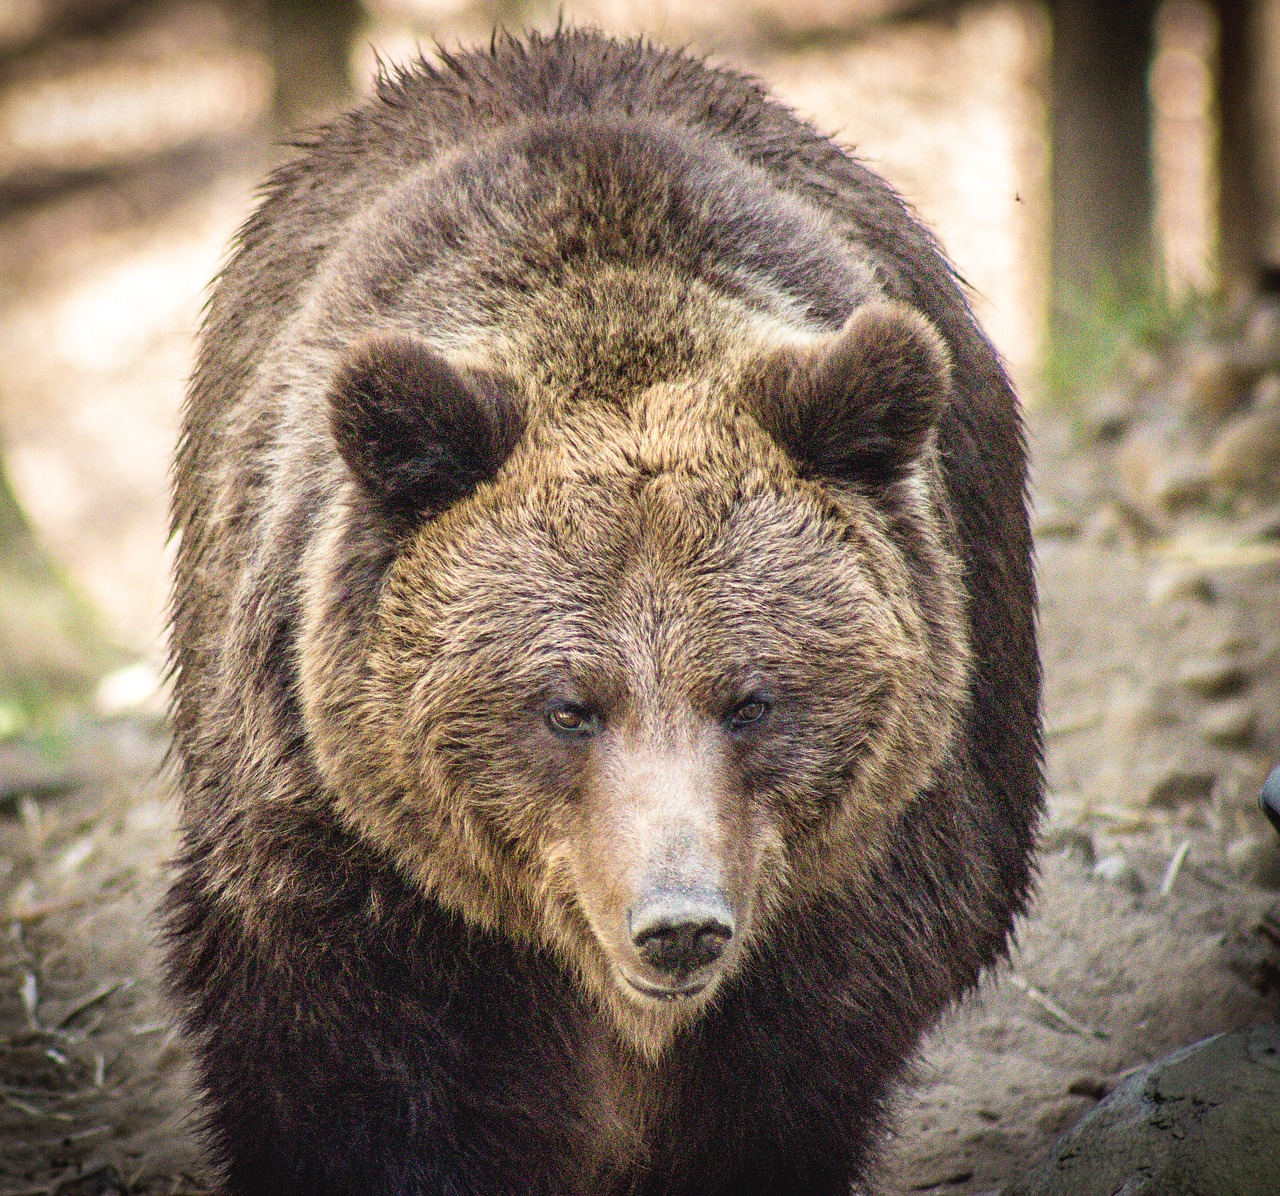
column 417, row 433
column 861, row 404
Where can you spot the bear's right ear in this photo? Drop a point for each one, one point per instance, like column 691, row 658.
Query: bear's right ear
column 859, row 405
column 416, row 433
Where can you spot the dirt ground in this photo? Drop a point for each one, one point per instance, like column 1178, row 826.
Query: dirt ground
column 1123, row 958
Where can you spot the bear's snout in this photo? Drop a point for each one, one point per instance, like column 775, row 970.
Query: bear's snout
column 679, row 933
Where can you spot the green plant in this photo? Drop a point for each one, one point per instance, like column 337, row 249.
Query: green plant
column 1093, row 332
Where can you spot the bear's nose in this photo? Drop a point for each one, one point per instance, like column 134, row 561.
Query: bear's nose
column 678, row 933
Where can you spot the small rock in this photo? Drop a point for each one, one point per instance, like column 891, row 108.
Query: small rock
column 1217, row 383
column 1150, row 463
column 1178, row 788
column 1179, row 484
column 1229, row 724
column 1262, row 330
column 1246, row 452
column 1131, row 714
column 136, row 687
column 1179, row 584
column 1142, row 367
column 1267, row 393
column 1110, row 411
column 1253, row 951
column 1205, row 1119
column 1233, row 643
column 1090, row 1085
column 27, row 769
column 1211, row 676
column 1119, row 523
column 1056, row 1115
column 1054, row 521
column 1265, row 525
column 1269, row 798
column 1105, row 529
column 1116, row 870
column 1256, row 859
column 1072, row 841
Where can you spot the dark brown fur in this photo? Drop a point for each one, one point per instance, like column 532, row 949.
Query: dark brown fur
column 579, row 373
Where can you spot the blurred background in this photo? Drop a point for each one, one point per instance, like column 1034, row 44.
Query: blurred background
column 1092, row 167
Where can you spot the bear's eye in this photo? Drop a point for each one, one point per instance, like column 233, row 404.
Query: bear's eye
column 747, row 712
column 573, row 721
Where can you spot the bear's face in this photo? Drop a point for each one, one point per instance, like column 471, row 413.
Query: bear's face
column 648, row 682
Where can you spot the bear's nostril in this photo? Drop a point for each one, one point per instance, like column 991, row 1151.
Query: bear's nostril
column 679, row 937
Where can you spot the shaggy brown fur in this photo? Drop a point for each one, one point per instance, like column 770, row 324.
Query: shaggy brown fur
column 595, row 498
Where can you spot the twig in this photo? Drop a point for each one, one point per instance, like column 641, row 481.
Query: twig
column 1175, row 866
column 101, row 993
column 1209, row 555
column 31, row 1110
column 30, row 994
column 1122, row 816
column 1051, row 1007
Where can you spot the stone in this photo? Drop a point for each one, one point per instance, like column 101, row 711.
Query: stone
column 1246, row 452
column 1266, row 394
column 1180, row 584
column 1263, row 525
column 1142, row 367
column 1104, row 528
column 1269, row 798
column 1056, row 1115
column 1211, row 676
column 1229, row 724
column 1253, row 951
column 1110, row 412
column 1050, row 520
column 1116, row 870
column 1120, row 523
column 1178, row 787
column 80, row 753
column 1217, row 383
column 1180, row 483
column 103, row 1181
column 1262, row 331
column 1233, row 642
column 1203, row 1120
column 1072, row 841
column 1256, row 859
column 136, row 688
column 1139, row 460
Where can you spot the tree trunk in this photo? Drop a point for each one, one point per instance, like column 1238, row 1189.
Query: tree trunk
column 1249, row 37
column 1101, row 173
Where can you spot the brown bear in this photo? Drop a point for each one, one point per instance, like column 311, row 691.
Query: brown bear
column 606, row 687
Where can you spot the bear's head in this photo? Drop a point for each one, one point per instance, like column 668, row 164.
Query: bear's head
column 630, row 680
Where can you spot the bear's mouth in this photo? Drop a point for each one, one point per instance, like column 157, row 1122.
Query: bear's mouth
column 675, row 993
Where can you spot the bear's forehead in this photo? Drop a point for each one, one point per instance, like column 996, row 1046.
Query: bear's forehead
column 631, row 535
column 645, row 596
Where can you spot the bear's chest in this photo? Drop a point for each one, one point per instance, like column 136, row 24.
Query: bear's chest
column 622, row 1108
